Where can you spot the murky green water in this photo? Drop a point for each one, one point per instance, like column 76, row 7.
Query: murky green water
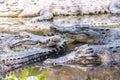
column 62, row 72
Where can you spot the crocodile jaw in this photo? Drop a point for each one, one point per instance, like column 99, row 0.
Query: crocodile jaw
column 81, row 37
column 75, row 32
column 77, row 57
column 31, row 39
column 73, row 60
column 75, row 29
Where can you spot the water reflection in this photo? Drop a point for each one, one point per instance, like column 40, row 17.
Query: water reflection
column 94, row 20
column 18, row 24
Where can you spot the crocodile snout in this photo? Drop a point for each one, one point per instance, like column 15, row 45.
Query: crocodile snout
column 51, row 62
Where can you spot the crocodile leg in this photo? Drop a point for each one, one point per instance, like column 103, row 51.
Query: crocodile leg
column 107, row 60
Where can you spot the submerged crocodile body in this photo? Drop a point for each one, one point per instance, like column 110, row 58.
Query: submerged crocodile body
column 17, row 51
column 48, row 8
column 88, row 34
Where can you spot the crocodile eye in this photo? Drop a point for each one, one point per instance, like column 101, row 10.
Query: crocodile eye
column 117, row 46
column 91, row 51
column 114, row 51
column 103, row 32
column 2, row 36
column 79, row 51
column 110, row 47
column 56, row 40
column 48, row 40
column 26, row 36
column 90, row 48
column 101, row 29
column 107, row 29
column 86, row 30
column 76, row 48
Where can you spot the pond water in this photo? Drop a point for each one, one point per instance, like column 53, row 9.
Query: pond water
column 15, row 25
column 23, row 24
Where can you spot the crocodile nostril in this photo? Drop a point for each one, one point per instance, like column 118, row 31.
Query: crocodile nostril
column 87, row 34
column 105, row 12
column 114, row 51
column 103, row 32
column 110, row 47
column 115, row 63
column 91, row 51
column 94, row 55
column 117, row 46
column 107, row 29
column 26, row 36
column 2, row 36
column 99, row 12
column 86, row 30
column 101, row 29
column 79, row 51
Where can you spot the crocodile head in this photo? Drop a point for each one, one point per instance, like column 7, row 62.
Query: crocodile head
column 84, row 33
column 80, row 56
column 34, row 49
column 27, row 40
column 92, row 56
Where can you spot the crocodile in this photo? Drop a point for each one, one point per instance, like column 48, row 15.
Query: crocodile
column 88, row 34
column 89, row 57
column 103, row 54
column 24, row 49
column 47, row 9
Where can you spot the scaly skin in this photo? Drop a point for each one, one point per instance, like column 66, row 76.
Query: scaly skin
column 102, row 55
column 48, row 8
column 33, row 51
column 88, row 34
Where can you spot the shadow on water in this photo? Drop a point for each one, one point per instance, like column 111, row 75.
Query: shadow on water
column 64, row 72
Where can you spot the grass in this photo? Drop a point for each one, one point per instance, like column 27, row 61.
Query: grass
column 29, row 74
